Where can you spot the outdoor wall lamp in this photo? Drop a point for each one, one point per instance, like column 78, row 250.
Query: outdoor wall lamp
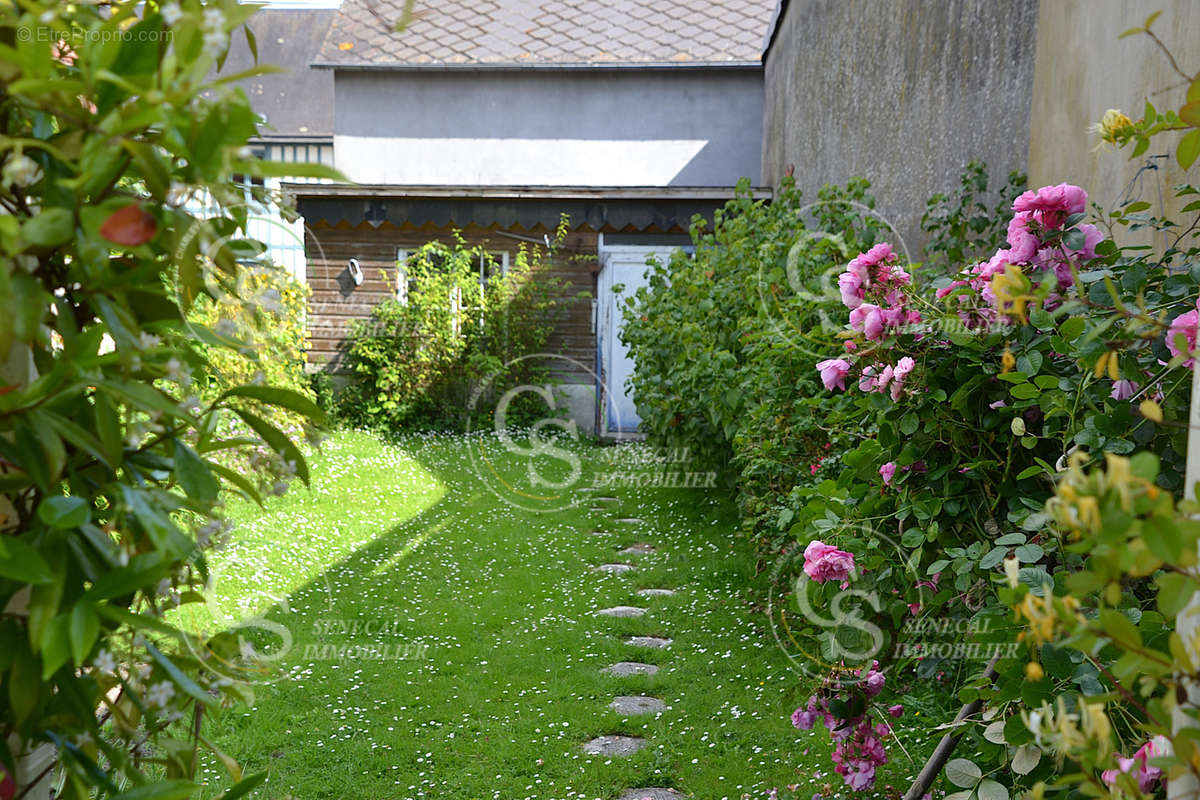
column 356, row 273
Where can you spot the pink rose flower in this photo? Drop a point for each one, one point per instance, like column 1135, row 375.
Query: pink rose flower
column 867, row 320
column 1051, row 205
column 1123, row 390
column 903, row 367
column 1184, row 324
column 896, row 710
column 833, row 372
column 824, row 562
column 1021, row 242
column 888, row 471
column 850, row 285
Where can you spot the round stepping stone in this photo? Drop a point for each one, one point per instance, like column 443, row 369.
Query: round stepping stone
column 656, row 592
column 648, row 641
column 599, row 533
column 630, row 705
column 624, row 669
column 614, row 746
column 640, row 548
column 597, row 508
column 621, row 611
column 651, row 793
column 615, row 569
column 630, row 520
column 606, row 499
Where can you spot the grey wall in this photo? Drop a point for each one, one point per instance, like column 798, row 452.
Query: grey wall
column 903, row 92
column 544, row 127
column 1083, row 69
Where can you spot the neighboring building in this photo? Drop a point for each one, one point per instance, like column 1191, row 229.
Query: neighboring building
column 296, row 106
column 495, row 116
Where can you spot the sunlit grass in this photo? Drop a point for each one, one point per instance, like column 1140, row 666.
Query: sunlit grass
column 485, row 680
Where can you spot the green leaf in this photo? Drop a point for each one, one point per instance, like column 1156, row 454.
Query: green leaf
column 177, row 675
column 1189, row 145
column 1133, row 208
column 277, row 441
column 244, row 786
column 194, row 475
column 273, row 395
column 55, row 645
column 937, row 566
column 963, row 773
column 161, row 790
column 989, row 789
column 909, row 424
column 1071, row 328
column 20, row 562
column 1028, row 472
column 64, row 512
column 1118, row 627
column 1011, row 539
column 84, row 629
column 49, row 228
column 1030, row 553
column 1025, row 759
column 1025, row 391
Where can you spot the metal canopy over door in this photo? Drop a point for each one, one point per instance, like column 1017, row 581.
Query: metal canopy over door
column 621, row 266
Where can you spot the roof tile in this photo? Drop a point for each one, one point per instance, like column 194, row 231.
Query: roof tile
column 549, row 32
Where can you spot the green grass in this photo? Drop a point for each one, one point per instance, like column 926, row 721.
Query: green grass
column 409, row 539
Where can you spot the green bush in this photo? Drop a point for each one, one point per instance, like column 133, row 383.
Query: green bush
column 725, row 340
column 267, row 322
column 415, row 363
column 113, row 470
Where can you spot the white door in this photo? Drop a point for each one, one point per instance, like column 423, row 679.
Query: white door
column 622, row 266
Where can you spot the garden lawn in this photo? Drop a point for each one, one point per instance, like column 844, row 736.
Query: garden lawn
column 486, row 678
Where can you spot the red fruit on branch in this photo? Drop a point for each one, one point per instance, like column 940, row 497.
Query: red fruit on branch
column 129, row 226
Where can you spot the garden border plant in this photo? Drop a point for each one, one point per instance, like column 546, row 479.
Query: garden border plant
column 121, row 427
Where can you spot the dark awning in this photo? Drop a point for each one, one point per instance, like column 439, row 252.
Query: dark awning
column 608, row 210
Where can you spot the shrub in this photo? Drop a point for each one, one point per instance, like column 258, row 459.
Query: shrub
column 416, row 362
column 112, row 471
column 725, row 340
column 266, row 325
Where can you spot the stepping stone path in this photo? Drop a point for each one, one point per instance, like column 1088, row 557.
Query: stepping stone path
column 599, row 533
column 623, row 669
column 621, row 611
column 614, row 746
column 656, row 642
column 651, row 793
column 615, row 569
column 629, row 706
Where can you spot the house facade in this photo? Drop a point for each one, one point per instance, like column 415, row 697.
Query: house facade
column 494, row 118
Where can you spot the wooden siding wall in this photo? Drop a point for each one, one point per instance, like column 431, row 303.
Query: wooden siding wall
column 334, row 304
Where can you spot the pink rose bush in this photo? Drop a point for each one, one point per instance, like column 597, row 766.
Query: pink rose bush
column 873, row 288
column 858, row 743
column 1037, row 246
column 824, row 562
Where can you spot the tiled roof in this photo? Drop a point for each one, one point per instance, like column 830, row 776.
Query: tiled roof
column 549, row 33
